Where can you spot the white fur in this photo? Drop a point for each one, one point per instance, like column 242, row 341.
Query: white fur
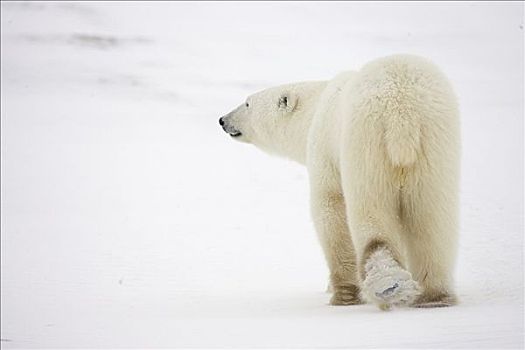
column 382, row 150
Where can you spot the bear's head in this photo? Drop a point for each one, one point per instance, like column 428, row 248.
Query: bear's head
column 277, row 119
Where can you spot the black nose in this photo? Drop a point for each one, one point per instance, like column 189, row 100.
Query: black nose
column 221, row 121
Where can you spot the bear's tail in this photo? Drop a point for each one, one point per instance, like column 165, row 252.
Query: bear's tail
column 402, row 136
column 396, row 90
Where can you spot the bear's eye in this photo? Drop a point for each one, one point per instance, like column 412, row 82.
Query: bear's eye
column 247, row 104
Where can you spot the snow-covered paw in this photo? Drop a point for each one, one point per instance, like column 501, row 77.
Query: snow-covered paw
column 386, row 282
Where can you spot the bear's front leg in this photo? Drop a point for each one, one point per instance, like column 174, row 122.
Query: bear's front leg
column 328, row 211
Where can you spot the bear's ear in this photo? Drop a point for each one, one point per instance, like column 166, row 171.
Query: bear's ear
column 287, row 101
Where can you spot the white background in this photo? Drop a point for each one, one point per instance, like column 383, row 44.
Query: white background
column 129, row 219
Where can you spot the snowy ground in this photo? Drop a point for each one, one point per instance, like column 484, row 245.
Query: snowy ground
column 129, row 219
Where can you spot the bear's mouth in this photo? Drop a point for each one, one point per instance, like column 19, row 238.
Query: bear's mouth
column 233, row 132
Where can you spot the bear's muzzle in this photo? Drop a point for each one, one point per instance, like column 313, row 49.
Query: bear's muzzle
column 227, row 127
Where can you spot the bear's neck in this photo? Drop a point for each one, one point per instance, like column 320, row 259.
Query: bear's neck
column 299, row 128
column 298, row 137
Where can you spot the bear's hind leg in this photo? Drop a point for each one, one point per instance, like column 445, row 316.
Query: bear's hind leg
column 373, row 204
column 385, row 280
column 431, row 240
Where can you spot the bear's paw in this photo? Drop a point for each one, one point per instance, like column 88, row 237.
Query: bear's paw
column 386, row 283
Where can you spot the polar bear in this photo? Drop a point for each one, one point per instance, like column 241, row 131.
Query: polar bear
column 382, row 148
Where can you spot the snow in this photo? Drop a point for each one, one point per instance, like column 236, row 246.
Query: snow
column 129, row 219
